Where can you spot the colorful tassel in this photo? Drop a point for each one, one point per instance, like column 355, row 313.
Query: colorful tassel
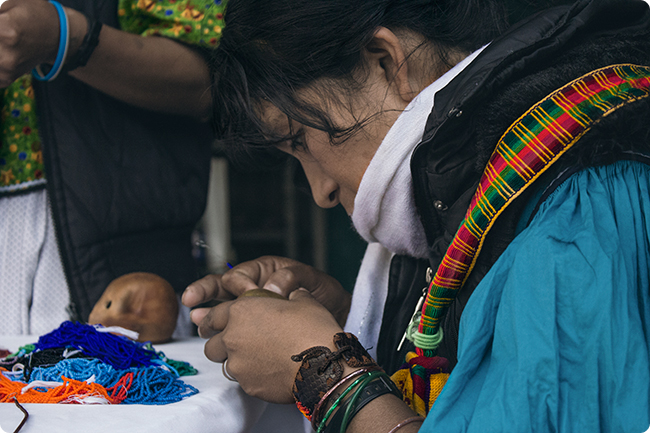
column 421, row 380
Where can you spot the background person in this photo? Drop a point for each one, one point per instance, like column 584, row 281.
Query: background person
column 104, row 169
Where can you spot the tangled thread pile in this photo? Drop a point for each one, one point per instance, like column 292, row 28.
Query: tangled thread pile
column 76, row 363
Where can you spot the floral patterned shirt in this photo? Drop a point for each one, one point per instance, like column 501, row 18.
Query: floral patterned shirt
column 196, row 22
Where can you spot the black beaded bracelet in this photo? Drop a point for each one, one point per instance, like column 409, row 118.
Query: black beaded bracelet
column 376, row 388
column 87, row 46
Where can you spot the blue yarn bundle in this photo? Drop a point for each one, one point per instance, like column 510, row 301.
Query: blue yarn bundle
column 107, row 360
column 79, row 369
column 151, row 385
column 112, row 349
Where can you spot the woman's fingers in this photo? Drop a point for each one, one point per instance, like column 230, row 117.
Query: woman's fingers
column 212, row 321
column 243, row 277
column 302, row 295
column 208, row 288
column 215, row 350
column 286, row 280
column 276, row 274
column 197, row 315
column 325, row 289
column 256, row 273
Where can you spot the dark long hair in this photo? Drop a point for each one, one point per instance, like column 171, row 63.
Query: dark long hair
column 272, row 48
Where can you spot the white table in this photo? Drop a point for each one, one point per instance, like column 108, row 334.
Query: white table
column 219, row 407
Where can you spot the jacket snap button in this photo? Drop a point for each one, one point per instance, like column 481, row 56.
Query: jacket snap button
column 440, row 206
column 429, row 275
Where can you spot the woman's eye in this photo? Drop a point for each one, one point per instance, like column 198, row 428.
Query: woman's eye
column 298, row 145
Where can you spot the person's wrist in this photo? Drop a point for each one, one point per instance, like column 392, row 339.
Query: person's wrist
column 79, row 27
column 323, row 339
column 51, row 33
column 376, row 385
column 41, row 71
column 322, row 369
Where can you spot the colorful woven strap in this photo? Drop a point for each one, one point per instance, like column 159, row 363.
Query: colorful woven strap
column 529, row 147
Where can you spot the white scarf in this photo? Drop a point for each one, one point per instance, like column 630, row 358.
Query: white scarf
column 385, row 214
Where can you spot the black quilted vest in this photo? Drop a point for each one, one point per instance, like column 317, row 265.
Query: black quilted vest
column 126, row 185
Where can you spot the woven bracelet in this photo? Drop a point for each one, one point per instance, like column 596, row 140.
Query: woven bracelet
column 321, row 370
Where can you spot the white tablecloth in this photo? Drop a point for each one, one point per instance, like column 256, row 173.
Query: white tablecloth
column 219, row 407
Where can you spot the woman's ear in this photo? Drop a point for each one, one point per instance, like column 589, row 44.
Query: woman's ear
column 385, row 51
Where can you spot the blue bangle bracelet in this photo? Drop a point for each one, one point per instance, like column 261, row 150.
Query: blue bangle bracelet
column 64, row 40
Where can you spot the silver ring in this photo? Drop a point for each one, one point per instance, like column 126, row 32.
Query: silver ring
column 224, row 370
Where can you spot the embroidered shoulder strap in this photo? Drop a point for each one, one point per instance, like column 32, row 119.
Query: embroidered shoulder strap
column 526, row 150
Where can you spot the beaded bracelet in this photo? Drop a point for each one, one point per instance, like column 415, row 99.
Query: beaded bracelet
column 64, row 42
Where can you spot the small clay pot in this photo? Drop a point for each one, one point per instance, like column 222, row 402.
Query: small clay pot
column 141, row 302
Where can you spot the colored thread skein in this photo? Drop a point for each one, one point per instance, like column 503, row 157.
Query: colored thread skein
column 71, row 391
column 80, row 364
column 41, row 358
column 10, row 360
column 182, row 368
column 79, row 369
column 150, row 385
column 112, row 349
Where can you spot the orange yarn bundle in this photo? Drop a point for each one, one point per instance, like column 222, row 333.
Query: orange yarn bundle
column 72, row 391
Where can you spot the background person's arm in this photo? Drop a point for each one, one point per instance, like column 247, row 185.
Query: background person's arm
column 156, row 73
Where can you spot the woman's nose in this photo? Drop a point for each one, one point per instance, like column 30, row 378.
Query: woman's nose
column 325, row 192
column 324, row 189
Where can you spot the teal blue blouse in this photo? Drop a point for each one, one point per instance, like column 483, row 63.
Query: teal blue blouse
column 556, row 337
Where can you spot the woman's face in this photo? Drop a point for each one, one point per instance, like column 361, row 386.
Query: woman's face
column 334, row 171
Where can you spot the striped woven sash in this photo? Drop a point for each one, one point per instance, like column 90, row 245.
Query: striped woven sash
column 530, row 145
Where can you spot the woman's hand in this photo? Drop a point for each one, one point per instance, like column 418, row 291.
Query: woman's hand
column 258, row 336
column 277, row 274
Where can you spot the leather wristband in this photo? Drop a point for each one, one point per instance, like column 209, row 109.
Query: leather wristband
column 376, row 388
column 87, row 46
column 321, row 370
column 353, row 352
